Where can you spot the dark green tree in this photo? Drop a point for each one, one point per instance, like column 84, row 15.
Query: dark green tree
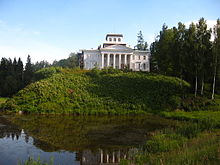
column 141, row 44
column 28, row 72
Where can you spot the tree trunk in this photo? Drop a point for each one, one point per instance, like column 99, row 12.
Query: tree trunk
column 196, row 86
column 202, row 88
column 213, row 85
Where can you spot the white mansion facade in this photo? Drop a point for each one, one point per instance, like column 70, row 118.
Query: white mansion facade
column 115, row 53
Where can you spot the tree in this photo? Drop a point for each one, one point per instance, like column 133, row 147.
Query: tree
column 19, row 73
column 28, row 72
column 70, row 62
column 192, row 59
column 204, row 46
column 40, row 65
column 179, row 49
column 216, row 54
column 141, row 44
column 162, row 51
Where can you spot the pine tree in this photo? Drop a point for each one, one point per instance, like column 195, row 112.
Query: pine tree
column 141, row 44
column 28, row 72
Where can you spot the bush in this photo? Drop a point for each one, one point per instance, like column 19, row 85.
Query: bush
column 46, row 73
column 97, row 91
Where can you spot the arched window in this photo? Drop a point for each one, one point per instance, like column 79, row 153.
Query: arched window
column 110, row 39
column 115, row 39
column 144, row 66
column 119, row 39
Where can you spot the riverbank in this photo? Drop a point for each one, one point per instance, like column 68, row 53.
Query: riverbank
column 195, row 140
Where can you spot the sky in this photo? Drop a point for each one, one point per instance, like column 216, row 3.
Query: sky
column 52, row 29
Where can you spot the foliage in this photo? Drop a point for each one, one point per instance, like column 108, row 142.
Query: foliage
column 11, row 74
column 28, row 72
column 70, row 62
column 108, row 92
column 189, row 54
column 46, row 73
column 2, row 100
column 32, row 161
column 141, row 44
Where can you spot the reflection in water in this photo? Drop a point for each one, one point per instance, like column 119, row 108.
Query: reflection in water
column 106, row 157
column 73, row 139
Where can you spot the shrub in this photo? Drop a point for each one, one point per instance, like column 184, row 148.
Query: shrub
column 97, row 91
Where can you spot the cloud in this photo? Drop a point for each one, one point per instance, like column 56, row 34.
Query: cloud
column 210, row 24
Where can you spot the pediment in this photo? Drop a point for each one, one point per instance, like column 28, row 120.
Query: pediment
column 117, row 47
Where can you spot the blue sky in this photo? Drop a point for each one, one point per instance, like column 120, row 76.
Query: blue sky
column 52, row 29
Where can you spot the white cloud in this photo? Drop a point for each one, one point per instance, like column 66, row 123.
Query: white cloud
column 210, row 24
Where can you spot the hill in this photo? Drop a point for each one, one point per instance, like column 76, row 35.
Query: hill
column 98, row 92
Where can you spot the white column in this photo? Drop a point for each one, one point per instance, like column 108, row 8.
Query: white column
column 119, row 61
column 108, row 59
column 129, row 62
column 125, row 59
column 114, row 59
column 102, row 62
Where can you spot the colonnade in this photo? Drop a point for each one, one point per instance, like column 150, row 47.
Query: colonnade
column 118, row 61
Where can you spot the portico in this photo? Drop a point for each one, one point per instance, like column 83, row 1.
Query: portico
column 116, row 61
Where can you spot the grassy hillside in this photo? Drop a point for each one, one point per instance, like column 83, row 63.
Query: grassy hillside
column 99, row 92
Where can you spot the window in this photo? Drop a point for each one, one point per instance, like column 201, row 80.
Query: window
column 119, row 39
column 115, row 39
column 144, row 66
column 110, row 39
column 139, row 57
column 144, row 57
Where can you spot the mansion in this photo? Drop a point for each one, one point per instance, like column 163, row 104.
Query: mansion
column 115, row 53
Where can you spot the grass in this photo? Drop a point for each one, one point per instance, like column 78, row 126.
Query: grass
column 201, row 150
column 206, row 117
column 194, row 141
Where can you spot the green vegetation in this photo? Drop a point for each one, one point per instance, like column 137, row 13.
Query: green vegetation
column 201, row 150
column 99, row 92
column 32, row 161
column 2, row 100
column 188, row 53
column 187, row 143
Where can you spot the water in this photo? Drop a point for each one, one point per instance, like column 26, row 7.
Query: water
column 74, row 140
